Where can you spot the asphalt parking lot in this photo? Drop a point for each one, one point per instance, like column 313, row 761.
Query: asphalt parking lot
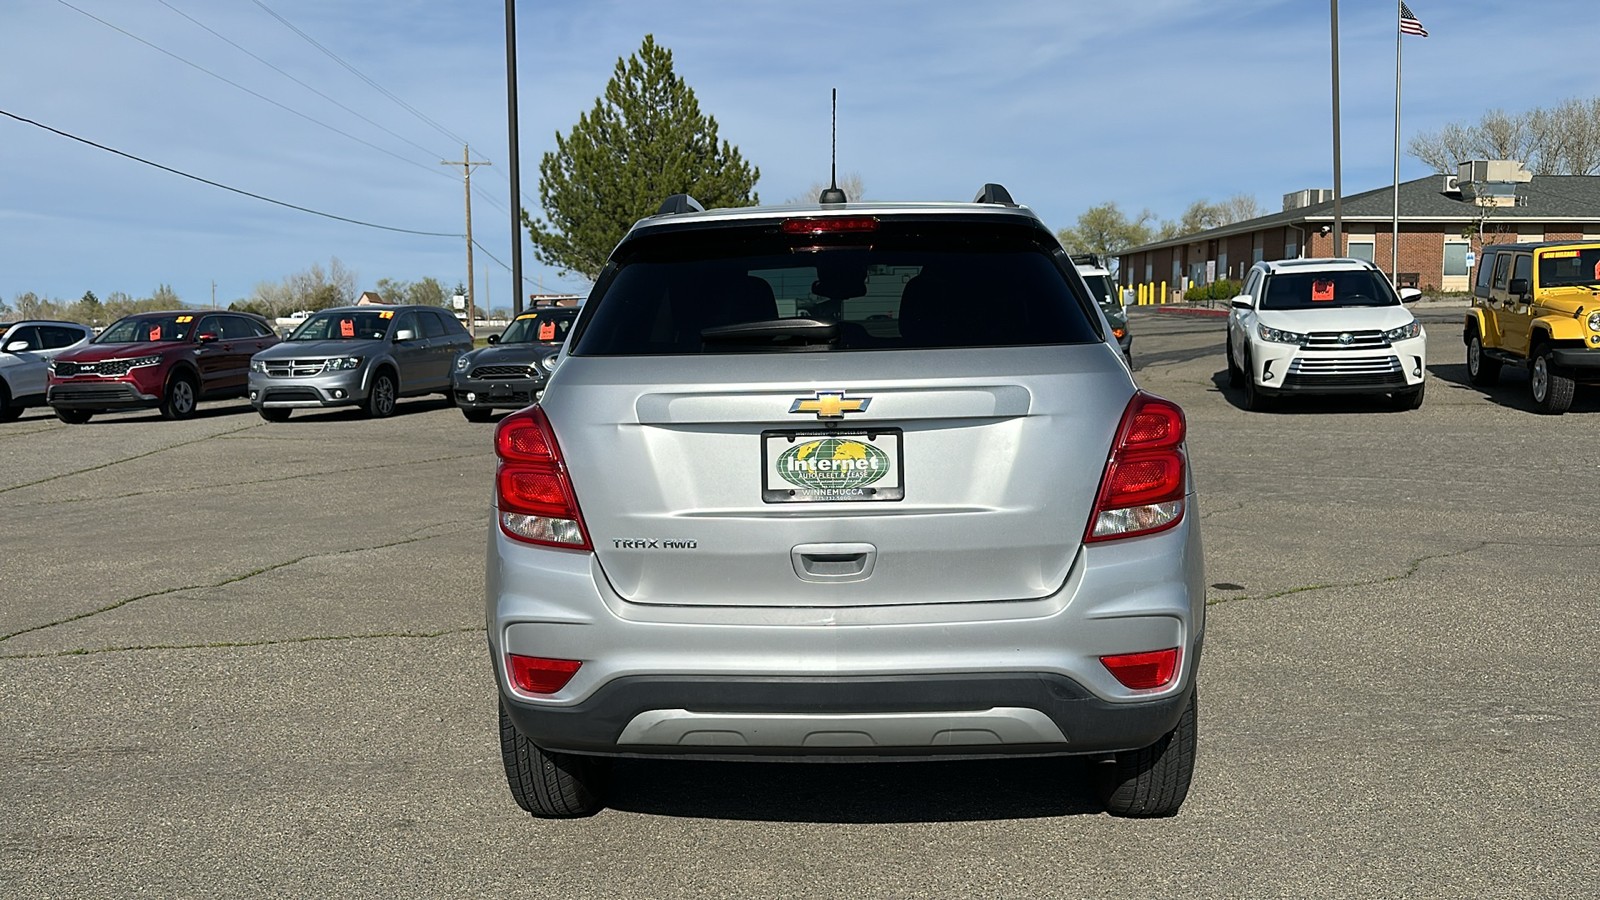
column 246, row 659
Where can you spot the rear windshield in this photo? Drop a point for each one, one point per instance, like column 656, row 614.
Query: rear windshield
column 1317, row 290
column 1565, row 268
column 903, row 285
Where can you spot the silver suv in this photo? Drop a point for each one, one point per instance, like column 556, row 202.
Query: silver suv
column 842, row 482
column 365, row 356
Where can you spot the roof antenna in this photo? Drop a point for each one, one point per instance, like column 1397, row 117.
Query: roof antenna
column 832, row 194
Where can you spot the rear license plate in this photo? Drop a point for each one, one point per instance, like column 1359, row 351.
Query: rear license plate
column 813, row 466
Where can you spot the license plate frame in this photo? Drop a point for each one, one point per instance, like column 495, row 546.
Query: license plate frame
column 874, row 473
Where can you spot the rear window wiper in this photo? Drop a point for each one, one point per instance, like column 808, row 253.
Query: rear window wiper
column 776, row 331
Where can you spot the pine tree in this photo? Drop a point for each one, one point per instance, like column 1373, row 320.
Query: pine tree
column 644, row 140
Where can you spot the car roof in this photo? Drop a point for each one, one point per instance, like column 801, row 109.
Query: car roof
column 1540, row 245
column 5, row 325
column 376, row 307
column 680, row 210
column 1330, row 264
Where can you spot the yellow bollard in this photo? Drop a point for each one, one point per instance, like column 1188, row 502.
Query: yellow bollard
column 1163, row 293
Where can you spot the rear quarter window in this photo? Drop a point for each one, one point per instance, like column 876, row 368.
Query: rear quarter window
column 907, row 285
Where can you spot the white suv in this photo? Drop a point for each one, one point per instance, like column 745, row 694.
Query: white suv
column 1325, row 326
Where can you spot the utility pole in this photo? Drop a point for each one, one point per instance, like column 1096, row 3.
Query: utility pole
column 517, row 290
column 466, row 164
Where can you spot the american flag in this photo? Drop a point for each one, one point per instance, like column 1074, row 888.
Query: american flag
column 1409, row 23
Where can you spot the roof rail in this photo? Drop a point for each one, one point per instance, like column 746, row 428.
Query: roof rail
column 679, row 203
column 994, row 193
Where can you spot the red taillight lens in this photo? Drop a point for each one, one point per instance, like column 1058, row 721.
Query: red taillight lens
column 532, row 490
column 1145, row 480
column 1143, row 671
column 831, row 225
column 538, row 675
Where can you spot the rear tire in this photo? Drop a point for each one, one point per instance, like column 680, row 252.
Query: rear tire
column 1552, row 393
column 178, row 401
column 1153, row 782
column 1481, row 370
column 74, row 416
column 551, row 785
column 380, row 400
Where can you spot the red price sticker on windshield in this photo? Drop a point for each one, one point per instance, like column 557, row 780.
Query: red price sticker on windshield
column 547, row 331
column 155, row 333
column 347, row 328
column 1321, row 290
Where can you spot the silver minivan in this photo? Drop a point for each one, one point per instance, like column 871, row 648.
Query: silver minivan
column 844, row 482
column 366, row 356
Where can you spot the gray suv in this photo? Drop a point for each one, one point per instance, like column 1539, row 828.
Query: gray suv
column 367, row 356
column 844, row 482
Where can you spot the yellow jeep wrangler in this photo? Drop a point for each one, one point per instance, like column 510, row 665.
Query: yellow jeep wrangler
column 1537, row 305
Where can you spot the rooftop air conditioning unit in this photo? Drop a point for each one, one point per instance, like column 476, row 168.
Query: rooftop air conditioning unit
column 1452, row 185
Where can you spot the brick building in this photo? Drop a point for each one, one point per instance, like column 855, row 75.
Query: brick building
column 1438, row 227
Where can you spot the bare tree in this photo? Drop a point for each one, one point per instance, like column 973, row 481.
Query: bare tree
column 850, row 183
column 1564, row 140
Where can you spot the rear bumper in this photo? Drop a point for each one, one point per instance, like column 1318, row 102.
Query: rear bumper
column 948, row 679
column 909, row 716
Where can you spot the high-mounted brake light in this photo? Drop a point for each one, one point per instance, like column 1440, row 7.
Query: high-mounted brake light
column 831, row 225
column 1145, row 480
column 532, row 490
column 538, row 675
column 1143, row 671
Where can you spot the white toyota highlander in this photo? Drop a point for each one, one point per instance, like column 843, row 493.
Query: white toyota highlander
column 1325, row 326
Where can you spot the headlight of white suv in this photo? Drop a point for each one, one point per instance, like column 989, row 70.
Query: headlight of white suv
column 1278, row 336
column 341, row 362
column 1405, row 332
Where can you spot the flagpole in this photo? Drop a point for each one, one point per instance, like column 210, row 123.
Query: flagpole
column 1338, row 192
column 1394, row 246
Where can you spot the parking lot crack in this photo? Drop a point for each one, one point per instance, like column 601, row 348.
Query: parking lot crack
column 416, row 537
column 1412, row 568
column 265, row 642
column 293, row 476
column 126, row 459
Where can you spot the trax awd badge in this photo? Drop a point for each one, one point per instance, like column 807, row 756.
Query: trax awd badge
column 654, row 544
column 830, row 404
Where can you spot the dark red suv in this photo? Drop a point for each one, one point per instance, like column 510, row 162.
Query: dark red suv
column 164, row 360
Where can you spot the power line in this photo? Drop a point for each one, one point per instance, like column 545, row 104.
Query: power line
column 218, row 184
column 241, row 87
column 292, row 78
column 356, row 72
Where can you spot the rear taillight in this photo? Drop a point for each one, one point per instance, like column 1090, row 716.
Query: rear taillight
column 1143, row 671
column 539, row 675
column 531, row 487
column 1145, row 481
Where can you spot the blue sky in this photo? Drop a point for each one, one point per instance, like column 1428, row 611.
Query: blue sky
column 1069, row 103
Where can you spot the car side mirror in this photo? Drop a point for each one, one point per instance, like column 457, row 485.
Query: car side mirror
column 1519, row 287
column 494, row 338
column 17, row 347
column 207, row 337
column 404, row 334
column 1243, row 301
column 1410, row 295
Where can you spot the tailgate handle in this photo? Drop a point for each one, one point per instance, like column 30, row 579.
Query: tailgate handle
column 833, row 562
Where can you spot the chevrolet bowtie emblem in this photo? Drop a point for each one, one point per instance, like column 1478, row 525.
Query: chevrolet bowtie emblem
column 830, row 405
